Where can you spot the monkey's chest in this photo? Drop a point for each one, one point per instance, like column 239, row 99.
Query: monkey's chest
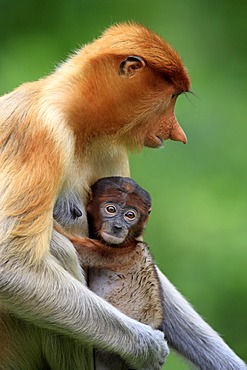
column 134, row 290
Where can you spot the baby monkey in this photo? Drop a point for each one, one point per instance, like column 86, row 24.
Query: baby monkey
column 121, row 268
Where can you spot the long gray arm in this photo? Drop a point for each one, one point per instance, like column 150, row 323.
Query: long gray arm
column 191, row 336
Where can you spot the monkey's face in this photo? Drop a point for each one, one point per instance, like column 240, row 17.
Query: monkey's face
column 166, row 125
column 145, row 112
column 149, row 103
column 118, row 222
column 117, row 210
column 130, row 101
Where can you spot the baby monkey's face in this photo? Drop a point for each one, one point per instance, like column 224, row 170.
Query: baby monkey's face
column 117, row 211
column 118, row 222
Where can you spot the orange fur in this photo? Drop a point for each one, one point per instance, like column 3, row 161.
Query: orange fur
column 133, row 108
column 58, row 136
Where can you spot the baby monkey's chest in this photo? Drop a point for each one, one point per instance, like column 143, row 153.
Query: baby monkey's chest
column 133, row 289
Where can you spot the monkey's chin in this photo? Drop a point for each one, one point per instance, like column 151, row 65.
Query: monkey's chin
column 153, row 141
column 111, row 239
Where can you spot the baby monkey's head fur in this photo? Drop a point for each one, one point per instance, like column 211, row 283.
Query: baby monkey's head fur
column 118, row 211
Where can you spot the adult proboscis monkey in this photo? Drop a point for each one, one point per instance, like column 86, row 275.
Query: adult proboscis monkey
column 57, row 137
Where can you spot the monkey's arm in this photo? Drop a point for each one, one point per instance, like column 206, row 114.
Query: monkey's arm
column 33, row 284
column 51, row 298
column 93, row 253
column 191, row 336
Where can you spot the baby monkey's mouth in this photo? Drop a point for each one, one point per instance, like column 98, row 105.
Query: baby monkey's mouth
column 111, row 239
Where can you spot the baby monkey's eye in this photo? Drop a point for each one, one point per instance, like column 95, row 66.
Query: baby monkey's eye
column 131, row 215
column 110, row 209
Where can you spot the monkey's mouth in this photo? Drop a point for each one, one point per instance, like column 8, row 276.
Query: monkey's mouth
column 153, row 141
column 168, row 130
column 111, row 239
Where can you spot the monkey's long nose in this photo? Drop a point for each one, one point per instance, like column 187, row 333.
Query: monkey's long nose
column 177, row 133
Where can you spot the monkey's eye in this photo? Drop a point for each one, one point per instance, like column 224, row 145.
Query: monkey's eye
column 110, row 209
column 130, row 215
column 175, row 95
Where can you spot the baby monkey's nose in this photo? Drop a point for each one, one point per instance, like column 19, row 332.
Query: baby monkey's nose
column 117, row 227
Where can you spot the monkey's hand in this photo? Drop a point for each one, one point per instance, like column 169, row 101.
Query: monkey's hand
column 150, row 350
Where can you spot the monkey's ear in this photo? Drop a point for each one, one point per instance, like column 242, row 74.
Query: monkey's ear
column 129, row 66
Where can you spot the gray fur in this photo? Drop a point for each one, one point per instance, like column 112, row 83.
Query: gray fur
column 65, row 207
column 133, row 287
column 65, row 319
column 187, row 332
column 191, row 336
column 184, row 329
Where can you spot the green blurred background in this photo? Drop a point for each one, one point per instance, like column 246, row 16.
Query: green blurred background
column 197, row 229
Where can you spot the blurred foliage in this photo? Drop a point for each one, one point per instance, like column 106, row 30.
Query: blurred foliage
column 197, row 230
